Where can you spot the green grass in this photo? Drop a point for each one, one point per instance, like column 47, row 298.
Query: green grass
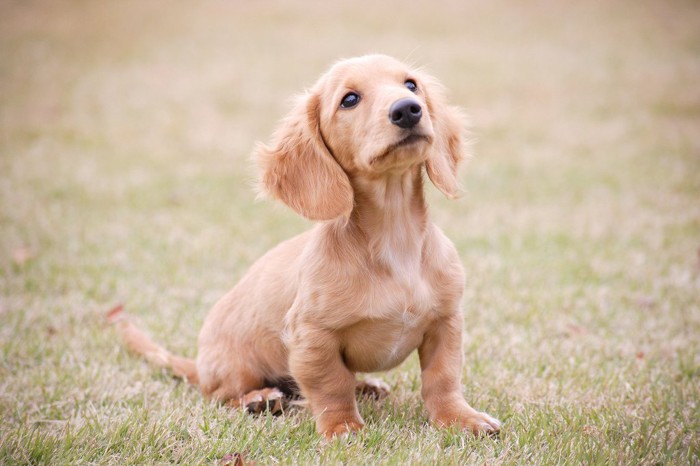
column 125, row 135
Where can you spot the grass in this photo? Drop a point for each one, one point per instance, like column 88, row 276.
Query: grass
column 125, row 132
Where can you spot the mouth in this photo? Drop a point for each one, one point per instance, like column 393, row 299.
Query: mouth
column 409, row 140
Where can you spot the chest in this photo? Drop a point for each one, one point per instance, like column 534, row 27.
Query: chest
column 391, row 324
column 381, row 344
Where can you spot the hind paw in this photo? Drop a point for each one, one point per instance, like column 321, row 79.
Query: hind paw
column 373, row 388
column 271, row 400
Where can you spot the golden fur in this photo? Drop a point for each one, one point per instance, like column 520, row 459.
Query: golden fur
column 369, row 284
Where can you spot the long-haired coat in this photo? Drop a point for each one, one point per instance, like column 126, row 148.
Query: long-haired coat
column 374, row 280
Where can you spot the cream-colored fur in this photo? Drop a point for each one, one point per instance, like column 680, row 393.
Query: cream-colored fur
column 373, row 281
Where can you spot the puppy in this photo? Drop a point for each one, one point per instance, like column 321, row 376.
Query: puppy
column 374, row 280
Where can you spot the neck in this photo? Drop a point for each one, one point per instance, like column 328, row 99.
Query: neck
column 391, row 214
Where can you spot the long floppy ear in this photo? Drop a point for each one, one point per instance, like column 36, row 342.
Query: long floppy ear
column 299, row 170
column 448, row 146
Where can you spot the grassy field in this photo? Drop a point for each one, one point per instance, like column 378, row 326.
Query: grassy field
column 125, row 135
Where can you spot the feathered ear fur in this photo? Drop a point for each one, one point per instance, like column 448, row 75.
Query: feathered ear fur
column 299, row 170
column 448, row 146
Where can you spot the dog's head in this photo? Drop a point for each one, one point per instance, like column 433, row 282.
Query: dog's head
column 369, row 116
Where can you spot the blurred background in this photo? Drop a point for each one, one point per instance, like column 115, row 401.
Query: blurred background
column 126, row 129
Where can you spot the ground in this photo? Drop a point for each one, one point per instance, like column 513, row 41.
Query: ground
column 125, row 134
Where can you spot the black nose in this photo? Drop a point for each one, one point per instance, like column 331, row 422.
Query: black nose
column 405, row 113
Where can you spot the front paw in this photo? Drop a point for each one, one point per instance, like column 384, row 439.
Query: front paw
column 341, row 429
column 473, row 421
column 338, row 423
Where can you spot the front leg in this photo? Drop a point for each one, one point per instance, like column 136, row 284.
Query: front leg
column 316, row 363
column 441, row 366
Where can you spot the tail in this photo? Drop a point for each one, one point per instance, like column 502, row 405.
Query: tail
column 140, row 343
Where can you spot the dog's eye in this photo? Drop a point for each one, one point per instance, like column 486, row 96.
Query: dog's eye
column 411, row 85
column 350, row 100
